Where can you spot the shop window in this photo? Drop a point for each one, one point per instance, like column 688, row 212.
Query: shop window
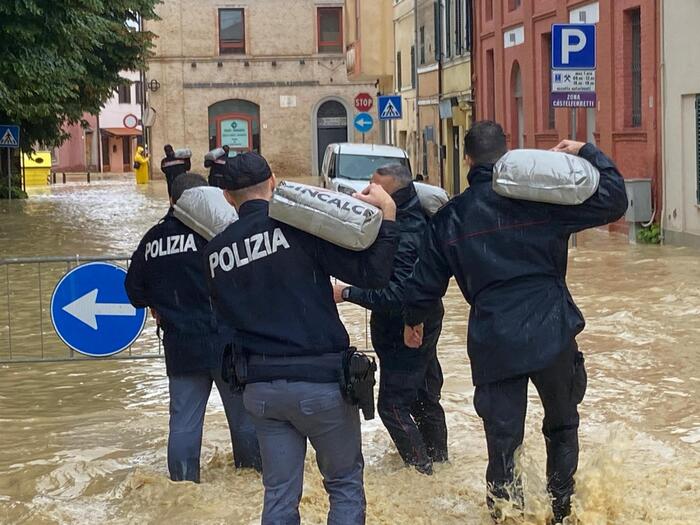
column 231, row 31
column 330, row 31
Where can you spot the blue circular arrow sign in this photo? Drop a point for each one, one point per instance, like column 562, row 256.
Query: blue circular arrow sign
column 91, row 313
column 363, row 122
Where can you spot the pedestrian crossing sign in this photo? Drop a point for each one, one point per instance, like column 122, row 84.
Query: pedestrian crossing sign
column 390, row 107
column 9, row 136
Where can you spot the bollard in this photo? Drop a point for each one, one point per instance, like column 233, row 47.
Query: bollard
column 88, row 177
column 64, row 177
column 54, row 176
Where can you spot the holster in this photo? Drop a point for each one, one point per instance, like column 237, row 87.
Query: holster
column 357, row 381
column 234, row 367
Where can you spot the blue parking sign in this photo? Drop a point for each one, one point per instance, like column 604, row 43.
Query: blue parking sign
column 573, row 46
column 91, row 313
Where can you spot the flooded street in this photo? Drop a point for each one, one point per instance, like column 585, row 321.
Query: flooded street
column 85, row 442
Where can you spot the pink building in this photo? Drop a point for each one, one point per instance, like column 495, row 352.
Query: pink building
column 81, row 151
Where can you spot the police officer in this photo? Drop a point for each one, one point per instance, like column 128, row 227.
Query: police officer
column 410, row 381
column 172, row 167
column 509, row 258
column 272, row 283
column 166, row 274
column 217, row 168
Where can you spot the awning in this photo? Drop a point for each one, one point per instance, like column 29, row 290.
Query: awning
column 123, row 132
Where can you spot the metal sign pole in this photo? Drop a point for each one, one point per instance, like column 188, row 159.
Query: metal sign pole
column 9, row 175
column 574, row 126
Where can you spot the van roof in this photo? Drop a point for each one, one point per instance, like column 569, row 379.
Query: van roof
column 373, row 150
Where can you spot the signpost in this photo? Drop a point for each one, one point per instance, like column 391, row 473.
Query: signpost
column 9, row 139
column 91, row 313
column 364, row 102
column 363, row 123
column 573, row 70
column 390, row 107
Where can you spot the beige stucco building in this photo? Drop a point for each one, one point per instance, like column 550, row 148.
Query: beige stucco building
column 253, row 74
column 680, row 89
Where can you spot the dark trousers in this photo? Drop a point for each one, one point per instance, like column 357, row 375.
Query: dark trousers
column 409, row 406
column 189, row 394
column 502, row 406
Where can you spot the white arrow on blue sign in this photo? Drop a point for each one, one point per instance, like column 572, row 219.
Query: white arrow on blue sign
column 91, row 313
column 363, row 122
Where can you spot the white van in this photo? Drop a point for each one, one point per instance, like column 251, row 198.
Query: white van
column 348, row 166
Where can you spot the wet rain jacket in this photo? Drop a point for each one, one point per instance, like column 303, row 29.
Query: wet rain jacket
column 509, row 258
column 142, row 170
column 271, row 282
column 386, row 304
column 167, row 274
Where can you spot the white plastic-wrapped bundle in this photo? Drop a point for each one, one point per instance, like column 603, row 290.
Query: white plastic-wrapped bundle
column 545, row 176
column 183, row 153
column 215, row 154
column 432, row 198
column 205, row 210
column 336, row 217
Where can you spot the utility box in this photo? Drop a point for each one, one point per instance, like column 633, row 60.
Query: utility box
column 639, row 197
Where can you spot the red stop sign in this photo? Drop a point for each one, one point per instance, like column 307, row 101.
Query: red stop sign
column 364, row 102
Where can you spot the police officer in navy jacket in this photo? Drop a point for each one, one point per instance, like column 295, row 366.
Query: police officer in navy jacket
column 509, row 258
column 167, row 275
column 272, row 283
column 172, row 167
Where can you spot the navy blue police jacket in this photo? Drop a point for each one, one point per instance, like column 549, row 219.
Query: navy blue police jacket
column 172, row 167
column 167, row 274
column 509, row 258
column 386, row 303
column 271, row 282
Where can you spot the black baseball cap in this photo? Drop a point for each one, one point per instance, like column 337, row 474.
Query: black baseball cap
column 245, row 170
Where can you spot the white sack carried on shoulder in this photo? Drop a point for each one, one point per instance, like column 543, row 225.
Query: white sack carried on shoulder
column 545, row 176
column 215, row 154
column 183, row 153
column 333, row 216
column 205, row 210
column 431, row 198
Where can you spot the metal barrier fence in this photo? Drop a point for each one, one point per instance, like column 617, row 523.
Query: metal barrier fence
column 28, row 335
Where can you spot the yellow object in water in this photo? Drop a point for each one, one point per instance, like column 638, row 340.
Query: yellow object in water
column 142, row 170
column 37, row 168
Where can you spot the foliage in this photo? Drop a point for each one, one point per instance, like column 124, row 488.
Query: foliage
column 61, row 59
column 650, row 234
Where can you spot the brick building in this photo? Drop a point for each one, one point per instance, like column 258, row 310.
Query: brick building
column 512, row 77
column 254, row 74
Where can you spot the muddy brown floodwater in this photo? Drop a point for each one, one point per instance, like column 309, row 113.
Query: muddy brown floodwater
column 85, row 442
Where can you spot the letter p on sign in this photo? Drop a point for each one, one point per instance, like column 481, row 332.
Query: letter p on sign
column 573, row 46
column 569, row 36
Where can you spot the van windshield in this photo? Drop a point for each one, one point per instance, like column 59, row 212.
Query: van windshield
column 361, row 167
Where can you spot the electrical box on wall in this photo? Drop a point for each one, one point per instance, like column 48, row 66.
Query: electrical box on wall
column 639, row 197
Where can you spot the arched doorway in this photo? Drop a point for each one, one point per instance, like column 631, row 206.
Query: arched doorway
column 517, row 110
column 331, row 126
column 236, row 124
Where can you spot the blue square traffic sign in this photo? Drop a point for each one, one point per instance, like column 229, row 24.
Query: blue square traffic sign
column 9, row 136
column 390, row 107
column 573, row 46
